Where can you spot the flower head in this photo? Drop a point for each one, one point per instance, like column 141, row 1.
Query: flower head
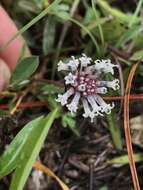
column 83, row 84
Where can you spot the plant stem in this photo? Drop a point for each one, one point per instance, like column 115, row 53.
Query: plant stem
column 63, row 35
column 114, row 131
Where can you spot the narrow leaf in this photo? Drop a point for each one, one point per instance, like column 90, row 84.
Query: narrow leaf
column 11, row 157
column 49, row 35
column 125, row 160
column 31, row 150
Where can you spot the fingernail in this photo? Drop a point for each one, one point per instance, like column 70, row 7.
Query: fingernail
column 4, row 75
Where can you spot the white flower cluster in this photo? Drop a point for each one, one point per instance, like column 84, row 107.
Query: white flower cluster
column 83, row 84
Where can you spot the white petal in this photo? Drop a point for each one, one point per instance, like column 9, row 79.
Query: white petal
column 101, row 83
column 104, row 106
column 62, row 66
column 98, row 61
column 73, row 106
column 101, row 90
column 99, row 65
column 62, row 98
column 73, row 64
column 108, row 66
column 92, row 116
column 70, row 79
column 105, row 66
column 87, row 111
column 85, row 60
column 82, row 87
column 96, row 108
column 111, row 84
column 86, row 108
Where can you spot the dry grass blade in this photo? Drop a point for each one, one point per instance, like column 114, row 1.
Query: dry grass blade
column 37, row 165
column 127, row 128
column 12, row 112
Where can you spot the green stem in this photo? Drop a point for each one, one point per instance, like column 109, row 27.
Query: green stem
column 88, row 32
column 63, row 35
column 114, row 131
column 139, row 6
column 98, row 23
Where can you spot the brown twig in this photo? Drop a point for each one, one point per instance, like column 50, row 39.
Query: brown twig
column 37, row 104
column 119, row 98
column 27, row 105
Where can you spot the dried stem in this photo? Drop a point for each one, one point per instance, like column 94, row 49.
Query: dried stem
column 45, row 104
column 127, row 129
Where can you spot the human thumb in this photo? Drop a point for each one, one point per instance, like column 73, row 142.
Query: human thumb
column 4, row 74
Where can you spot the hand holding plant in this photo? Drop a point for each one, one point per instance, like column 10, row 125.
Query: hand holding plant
column 9, row 55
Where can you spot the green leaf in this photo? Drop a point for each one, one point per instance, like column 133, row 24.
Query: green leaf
column 125, row 160
column 12, row 155
column 137, row 56
column 69, row 121
column 49, row 35
column 25, row 68
column 31, row 150
column 62, row 11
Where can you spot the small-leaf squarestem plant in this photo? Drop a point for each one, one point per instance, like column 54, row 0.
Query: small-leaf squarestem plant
column 83, row 83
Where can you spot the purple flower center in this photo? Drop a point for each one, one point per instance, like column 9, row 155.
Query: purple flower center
column 85, row 85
